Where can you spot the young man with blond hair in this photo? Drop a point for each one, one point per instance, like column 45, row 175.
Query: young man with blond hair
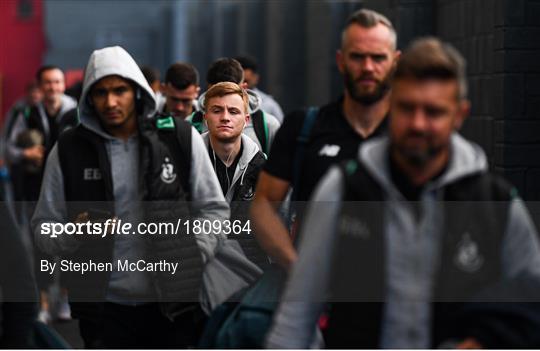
column 236, row 158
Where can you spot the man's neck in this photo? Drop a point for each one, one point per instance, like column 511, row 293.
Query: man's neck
column 419, row 176
column 124, row 131
column 52, row 106
column 226, row 151
column 365, row 118
column 124, row 135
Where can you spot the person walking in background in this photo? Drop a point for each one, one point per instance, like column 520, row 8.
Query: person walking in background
column 251, row 77
column 181, row 90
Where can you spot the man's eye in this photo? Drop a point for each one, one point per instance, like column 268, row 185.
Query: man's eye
column 408, row 108
column 357, row 57
column 99, row 93
column 379, row 58
column 434, row 112
column 120, row 91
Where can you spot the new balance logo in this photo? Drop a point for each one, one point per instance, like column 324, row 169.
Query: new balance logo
column 329, row 150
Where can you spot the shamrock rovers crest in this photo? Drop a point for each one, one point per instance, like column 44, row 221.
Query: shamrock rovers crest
column 167, row 172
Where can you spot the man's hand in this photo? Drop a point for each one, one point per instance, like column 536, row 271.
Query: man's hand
column 82, row 217
column 469, row 344
column 34, row 154
column 270, row 231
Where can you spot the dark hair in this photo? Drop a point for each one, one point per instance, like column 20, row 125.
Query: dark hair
column 150, row 73
column 181, row 75
column 31, row 86
column 225, row 70
column 46, row 68
column 368, row 19
column 248, row 62
column 430, row 58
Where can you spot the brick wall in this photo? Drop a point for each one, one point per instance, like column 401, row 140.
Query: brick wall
column 517, row 120
column 469, row 25
column 499, row 39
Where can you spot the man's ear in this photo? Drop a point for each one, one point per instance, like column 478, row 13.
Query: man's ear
column 244, row 85
column 339, row 60
column 248, row 117
column 464, row 107
column 397, row 55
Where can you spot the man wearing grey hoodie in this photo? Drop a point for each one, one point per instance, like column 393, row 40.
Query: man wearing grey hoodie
column 236, row 158
column 121, row 162
column 411, row 238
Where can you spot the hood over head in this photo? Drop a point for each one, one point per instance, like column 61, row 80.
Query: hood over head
column 113, row 61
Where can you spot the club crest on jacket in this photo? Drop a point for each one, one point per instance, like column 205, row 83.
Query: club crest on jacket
column 468, row 257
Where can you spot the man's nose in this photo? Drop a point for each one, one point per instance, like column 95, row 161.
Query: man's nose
column 225, row 116
column 419, row 119
column 367, row 64
column 110, row 100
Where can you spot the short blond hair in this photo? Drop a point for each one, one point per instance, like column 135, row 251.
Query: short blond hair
column 226, row 88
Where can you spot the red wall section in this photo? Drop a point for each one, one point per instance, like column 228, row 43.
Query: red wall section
column 22, row 46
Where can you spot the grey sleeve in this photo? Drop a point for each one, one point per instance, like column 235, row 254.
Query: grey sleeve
column 521, row 249
column 295, row 320
column 14, row 153
column 207, row 200
column 274, row 108
column 51, row 208
column 273, row 126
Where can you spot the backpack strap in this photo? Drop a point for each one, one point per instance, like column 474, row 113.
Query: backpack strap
column 183, row 136
column 260, row 126
column 301, row 142
column 181, row 146
column 196, row 120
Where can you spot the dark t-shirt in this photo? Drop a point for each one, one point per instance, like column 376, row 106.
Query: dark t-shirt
column 53, row 129
column 332, row 139
column 225, row 174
